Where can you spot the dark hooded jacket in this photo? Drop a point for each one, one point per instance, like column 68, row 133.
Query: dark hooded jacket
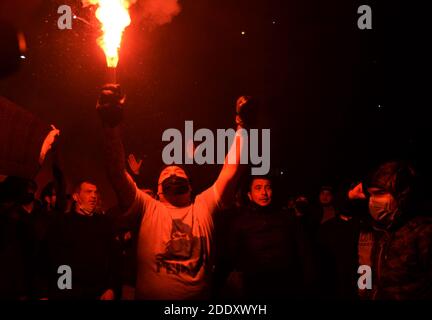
column 401, row 254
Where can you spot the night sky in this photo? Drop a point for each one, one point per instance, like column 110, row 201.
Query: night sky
column 338, row 100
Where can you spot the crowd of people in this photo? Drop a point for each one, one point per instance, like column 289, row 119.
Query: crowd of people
column 238, row 239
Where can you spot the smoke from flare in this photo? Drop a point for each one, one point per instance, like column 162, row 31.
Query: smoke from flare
column 159, row 12
column 114, row 17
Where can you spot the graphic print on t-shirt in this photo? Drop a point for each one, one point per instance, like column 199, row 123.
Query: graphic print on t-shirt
column 184, row 252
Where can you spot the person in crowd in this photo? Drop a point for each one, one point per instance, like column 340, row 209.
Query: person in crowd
column 326, row 201
column 228, row 280
column 19, row 243
column 48, row 197
column 399, row 253
column 83, row 241
column 270, row 248
column 52, row 198
column 338, row 240
column 175, row 242
column 325, row 209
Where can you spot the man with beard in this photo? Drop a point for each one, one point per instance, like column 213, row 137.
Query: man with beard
column 176, row 232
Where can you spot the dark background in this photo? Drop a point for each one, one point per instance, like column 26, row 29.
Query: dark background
column 339, row 100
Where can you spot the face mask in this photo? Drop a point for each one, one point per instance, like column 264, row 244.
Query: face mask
column 174, row 185
column 383, row 210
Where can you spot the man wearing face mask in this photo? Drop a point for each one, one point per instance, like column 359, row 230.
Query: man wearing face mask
column 83, row 240
column 175, row 242
column 400, row 254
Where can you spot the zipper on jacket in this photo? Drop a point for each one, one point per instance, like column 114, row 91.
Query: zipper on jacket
column 385, row 238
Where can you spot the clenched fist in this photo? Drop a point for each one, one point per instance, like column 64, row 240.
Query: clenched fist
column 110, row 105
column 246, row 110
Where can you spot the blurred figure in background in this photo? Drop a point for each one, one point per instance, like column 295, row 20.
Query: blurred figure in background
column 326, row 201
column 18, row 243
column 82, row 239
column 337, row 243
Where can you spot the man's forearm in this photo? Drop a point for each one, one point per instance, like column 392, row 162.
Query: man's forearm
column 122, row 184
column 232, row 170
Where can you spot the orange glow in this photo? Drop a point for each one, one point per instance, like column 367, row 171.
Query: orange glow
column 114, row 17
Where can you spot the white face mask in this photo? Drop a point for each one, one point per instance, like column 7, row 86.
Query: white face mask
column 383, row 209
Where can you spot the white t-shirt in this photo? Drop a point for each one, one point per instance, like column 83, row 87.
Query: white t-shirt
column 174, row 247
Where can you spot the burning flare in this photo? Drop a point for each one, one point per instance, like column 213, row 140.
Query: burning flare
column 114, row 17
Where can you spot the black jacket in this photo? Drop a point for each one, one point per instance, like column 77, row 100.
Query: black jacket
column 86, row 244
column 270, row 248
column 402, row 261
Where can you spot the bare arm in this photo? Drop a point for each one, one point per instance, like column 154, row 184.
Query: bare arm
column 232, row 170
column 229, row 177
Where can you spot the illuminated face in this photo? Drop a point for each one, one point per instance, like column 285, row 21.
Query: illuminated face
column 326, row 197
column 171, row 171
column 87, row 197
column 261, row 192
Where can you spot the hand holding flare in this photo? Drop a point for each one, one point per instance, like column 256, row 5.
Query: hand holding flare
column 110, row 105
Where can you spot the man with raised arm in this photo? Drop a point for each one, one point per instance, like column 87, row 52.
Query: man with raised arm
column 175, row 242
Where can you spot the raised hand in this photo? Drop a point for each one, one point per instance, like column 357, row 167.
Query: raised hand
column 134, row 165
column 246, row 110
column 357, row 192
column 110, row 105
column 108, row 295
column 48, row 143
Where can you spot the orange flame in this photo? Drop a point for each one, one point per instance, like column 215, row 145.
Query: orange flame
column 114, row 17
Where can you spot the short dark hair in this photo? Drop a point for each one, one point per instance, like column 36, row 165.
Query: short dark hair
column 253, row 178
column 327, row 188
column 12, row 188
column 77, row 187
column 393, row 176
column 396, row 177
